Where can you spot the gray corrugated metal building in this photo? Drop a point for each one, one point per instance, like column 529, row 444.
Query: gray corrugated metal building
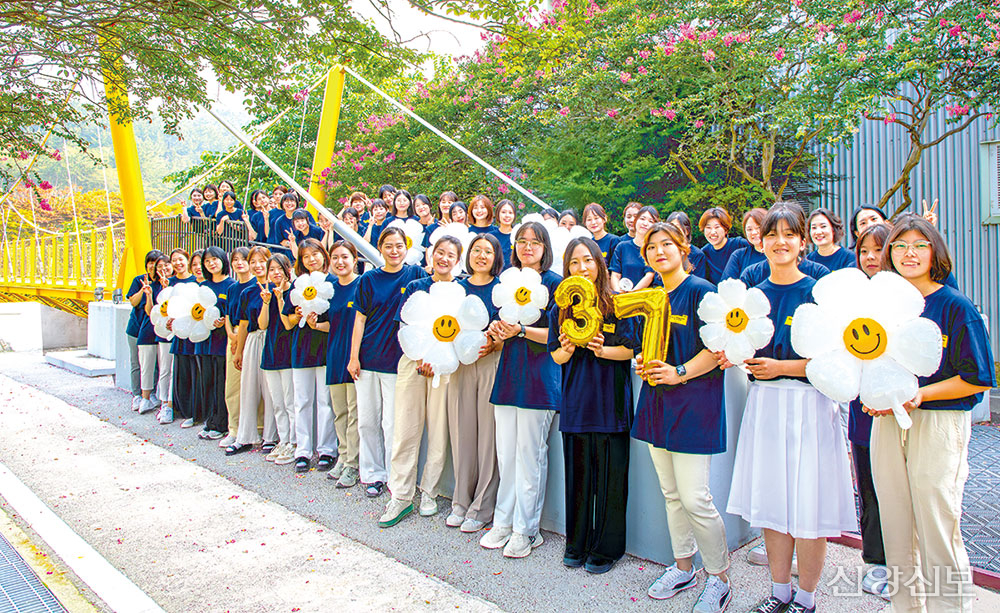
column 962, row 172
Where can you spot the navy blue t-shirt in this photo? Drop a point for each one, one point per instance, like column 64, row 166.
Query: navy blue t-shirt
column 259, row 225
column 841, row 258
column 488, row 229
column 506, row 245
column 182, row 346
column 313, row 231
column 967, row 351
column 241, row 312
column 757, row 273
column 527, row 377
column 691, row 417
column 377, row 230
column 341, row 318
column 716, row 259
column 950, row 281
column 379, row 298
column 147, row 336
column 308, row 344
column 281, row 224
column 607, row 244
column 627, row 261
column 138, row 312
column 859, row 425
column 235, row 215
column 428, row 230
column 277, row 352
column 216, row 343
column 741, row 260
column 784, row 300
column 596, row 393
column 483, row 292
column 235, row 297
column 699, row 264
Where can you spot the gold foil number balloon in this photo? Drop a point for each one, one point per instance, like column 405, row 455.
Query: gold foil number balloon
column 578, row 296
column 654, row 305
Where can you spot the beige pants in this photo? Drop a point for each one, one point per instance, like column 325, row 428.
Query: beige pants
column 693, row 520
column 473, row 439
column 232, row 391
column 417, row 403
column 919, row 480
column 344, row 398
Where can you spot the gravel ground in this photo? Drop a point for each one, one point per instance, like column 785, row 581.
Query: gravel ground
column 537, row 583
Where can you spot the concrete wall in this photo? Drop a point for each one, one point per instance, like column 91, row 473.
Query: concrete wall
column 32, row 326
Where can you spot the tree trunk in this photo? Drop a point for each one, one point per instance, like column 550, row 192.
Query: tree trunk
column 903, row 181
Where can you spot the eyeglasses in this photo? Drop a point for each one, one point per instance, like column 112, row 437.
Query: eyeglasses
column 529, row 243
column 901, row 248
column 480, row 251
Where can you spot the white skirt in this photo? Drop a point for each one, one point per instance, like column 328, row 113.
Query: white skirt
column 791, row 472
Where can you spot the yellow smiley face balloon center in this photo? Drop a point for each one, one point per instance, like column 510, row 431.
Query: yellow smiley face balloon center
column 522, row 296
column 163, row 308
column 865, row 338
column 446, row 328
column 309, row 293
column 737, row 320
column 409, row 243
column 197, row 312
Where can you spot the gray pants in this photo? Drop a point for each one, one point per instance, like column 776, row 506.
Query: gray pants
column 133, row 357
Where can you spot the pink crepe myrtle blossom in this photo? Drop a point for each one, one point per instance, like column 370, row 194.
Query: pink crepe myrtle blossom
column 612, row 113
column 564, row 111
column 842, row 48
column 44, row 204
column 699, row 123
column 642, row 70
column 29, row 183
column 503, row 188
column 853, row 16
column 625, row 77
column 709, row 55
column 955, row 30
column 779, row 54
column 644, row 54
column 44, row 185
column 728, row 39
column 889, row 118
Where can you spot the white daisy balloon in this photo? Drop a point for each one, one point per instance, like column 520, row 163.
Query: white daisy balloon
column 158, row 315
column 443, row 327
column 521, row 296
column 464, row 236
column 194, row 311
column 735, row 321
column 560, row 238
column 866, row 337
column 311, row 293
column 414, row 232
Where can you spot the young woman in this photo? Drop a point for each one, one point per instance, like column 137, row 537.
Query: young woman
column 755, row 274
column 228, row 212
column 459, row 213
column 681, row 416
column 595, row 418
column 481, row 215
column 210, row 195
column 386, row 193
column 375, row 355
column 445, row 201
column 164, row 359
column 715, row 224
column 527, row 396
column 401, row 206
column 825, row 231
column 276, row 355
column 239, row 264
column 696, row 258
column 470, row 412
column 250, row 346
column 422, row 209
column 259, row 217
column 137, row 298
column 226, row 185
column 181, row 352
column 187, row 362
column 418, row 403
column 569, row 219
column 549, row 213
column 628, row 218
column 628, row 270
column 747, row 256
column 282, row 225
column 920, row 473
column 378, row 222
column 148, row 343
column 343, row 394
column 195, row 210
column 506, row 215
column 791, row 477
column 863, row 217
column 212, row 351
column 302, row 228
column 595, row 219
column 314, row 431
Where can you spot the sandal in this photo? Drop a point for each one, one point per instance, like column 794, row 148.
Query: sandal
column 375, row 490
column 325, row 463
column 267, row 448
column 234, row 449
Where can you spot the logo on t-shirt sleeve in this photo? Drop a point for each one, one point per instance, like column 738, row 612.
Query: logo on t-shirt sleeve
column 609, row 328
column 680, row 320
column 944, row 341
column 788, row 320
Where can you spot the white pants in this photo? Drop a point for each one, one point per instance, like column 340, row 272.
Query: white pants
column 314, row 431
column 147, row 366
column 523, row 461
column 376, row 419
column 253, row 388
column 164, row 387
column 282, row 391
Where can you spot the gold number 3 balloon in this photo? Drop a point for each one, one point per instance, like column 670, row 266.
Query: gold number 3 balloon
column 654, row 305
column 583, row 319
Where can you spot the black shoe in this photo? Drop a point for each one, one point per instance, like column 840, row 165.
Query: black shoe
column 573, row 560
column 598, row 565
column 234, row 449
column 771, row 604
column 325, row 463
column 301, row 465
column 267, row 448
column 374, row 490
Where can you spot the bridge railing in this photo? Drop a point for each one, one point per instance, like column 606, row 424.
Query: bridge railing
column 169, row 233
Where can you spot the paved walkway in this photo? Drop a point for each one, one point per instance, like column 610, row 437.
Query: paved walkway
column 199, row 531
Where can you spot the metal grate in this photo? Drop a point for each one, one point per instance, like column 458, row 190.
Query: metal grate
column 20, row 589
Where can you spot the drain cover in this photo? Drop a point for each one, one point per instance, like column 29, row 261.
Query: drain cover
column 20, row 589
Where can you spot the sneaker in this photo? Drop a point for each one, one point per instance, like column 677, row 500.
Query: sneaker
column 428, row 505
column 228, row 440
column 598, row 565
column 772, row 604
column 395, row 511
column 454, row 520
column 203, row 435
column 187, row 423
column 715, row 597
column 337, row 470
column 795, row 607
column 156, row 401
column 274, row 453
column 349, row 478
column 472, row 525
column 302, row 465
column 135, row 402
column 671, row 582
column 519, row 545
column 325, row 463
column 758, row 557
column 145, row 406
column 166, row 415
column 214, row 435
column 286, row 455
column 374, row 490
column 496, row 537
column 876, row 581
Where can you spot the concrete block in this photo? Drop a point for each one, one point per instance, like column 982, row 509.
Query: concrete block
column 61, row 330
column 80, row 362
column 101, row 318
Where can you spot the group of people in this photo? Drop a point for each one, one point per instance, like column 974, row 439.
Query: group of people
column 334, row 391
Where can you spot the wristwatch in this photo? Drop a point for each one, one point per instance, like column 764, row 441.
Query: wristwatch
column 522, row 332
column 681, row 371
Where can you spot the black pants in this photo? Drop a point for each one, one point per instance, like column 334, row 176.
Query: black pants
column 184, row 385
column 596, row 494
column 213, row 393
column 872, row 549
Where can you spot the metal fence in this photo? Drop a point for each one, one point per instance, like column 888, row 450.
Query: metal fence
column 169, row 233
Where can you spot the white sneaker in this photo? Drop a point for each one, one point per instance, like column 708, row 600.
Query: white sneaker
column 337, row 470
column 496, row 537
column 758, row 557
column 715, row 597
column 519, row 545
column 145, row 406
column 274, row 453
column 428, row 505
column 472, row 525
column 166, row 415
column 454, row 520
column 188, row 423
column 876, row 581
column 135, row 402
column 287, row 455
column 228, row 440
column 671, row 582
column 155, row 400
